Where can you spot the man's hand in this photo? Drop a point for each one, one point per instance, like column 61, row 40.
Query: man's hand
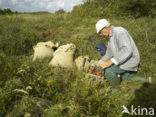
column 106, row 64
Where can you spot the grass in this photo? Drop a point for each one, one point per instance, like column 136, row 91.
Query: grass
column 59, row 92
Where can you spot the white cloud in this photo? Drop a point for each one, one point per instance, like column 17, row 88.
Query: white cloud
column 14, row 1
column 49, row 6
column 63, row 4
column 42, row 5
column 28, row 0
column 47, row 0
column 60, row 4
column 56, row 5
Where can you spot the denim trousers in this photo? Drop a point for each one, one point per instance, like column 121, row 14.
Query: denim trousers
column 112, row 72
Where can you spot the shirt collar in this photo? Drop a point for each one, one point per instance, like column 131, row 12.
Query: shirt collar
column 111, row 32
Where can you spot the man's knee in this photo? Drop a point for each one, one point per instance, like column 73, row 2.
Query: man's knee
column 109, row 74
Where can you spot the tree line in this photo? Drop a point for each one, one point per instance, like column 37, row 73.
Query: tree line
column 7, row 11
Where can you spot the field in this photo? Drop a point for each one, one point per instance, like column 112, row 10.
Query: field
column 58, row 92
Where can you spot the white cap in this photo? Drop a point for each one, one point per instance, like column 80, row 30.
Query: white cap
column 101, row 24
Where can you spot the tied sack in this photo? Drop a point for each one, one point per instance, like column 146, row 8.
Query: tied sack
column 63, row 56
column 44, row 49
column 82, row 62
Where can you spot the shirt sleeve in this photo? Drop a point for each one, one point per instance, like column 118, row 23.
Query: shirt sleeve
column 108, row 54
column 114, row 61
column 124, row 48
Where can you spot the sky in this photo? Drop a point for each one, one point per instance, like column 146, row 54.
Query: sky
column 39, row 5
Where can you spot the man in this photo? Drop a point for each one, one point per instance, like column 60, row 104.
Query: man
column 122, row 55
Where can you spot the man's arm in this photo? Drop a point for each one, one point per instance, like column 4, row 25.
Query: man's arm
column 108, row 54
column 125, row 50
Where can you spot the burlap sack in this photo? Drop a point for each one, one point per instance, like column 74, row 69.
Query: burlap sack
column 63, row 56
column 44, row 49
column 82, row 62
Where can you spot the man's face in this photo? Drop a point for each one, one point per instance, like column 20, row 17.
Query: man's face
column 105, row 32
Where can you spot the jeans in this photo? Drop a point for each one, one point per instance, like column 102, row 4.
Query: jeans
column 111, row 73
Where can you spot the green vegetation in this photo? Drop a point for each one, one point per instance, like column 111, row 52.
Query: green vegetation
column 58, row 92
column 7, row 11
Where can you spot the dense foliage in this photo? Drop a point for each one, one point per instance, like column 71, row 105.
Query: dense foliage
column 7, row 11
column 35, row 89
column 114, row 8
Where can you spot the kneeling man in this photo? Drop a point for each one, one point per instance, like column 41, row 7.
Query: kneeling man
column 122, row 56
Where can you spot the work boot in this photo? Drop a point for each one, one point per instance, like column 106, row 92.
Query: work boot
column 140, row 78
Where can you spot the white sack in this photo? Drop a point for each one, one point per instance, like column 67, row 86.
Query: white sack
column 80, row 61
column 63, row 56
column 44, row 49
